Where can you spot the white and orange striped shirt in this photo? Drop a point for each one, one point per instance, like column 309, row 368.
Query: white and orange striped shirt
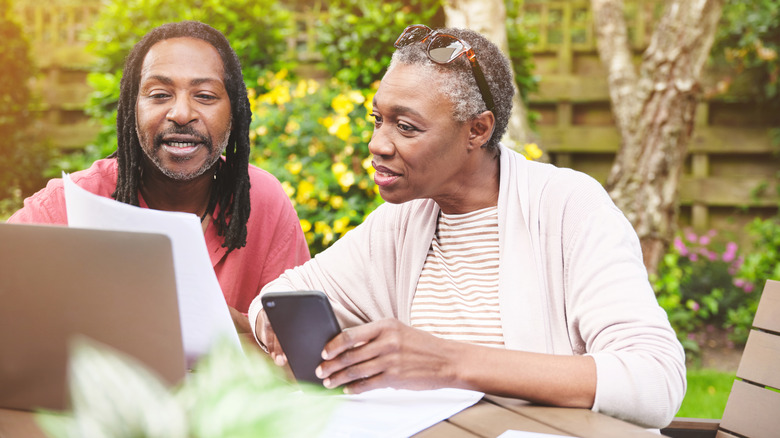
column 457, row 294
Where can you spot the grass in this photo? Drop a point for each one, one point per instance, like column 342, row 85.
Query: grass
column 707, row 393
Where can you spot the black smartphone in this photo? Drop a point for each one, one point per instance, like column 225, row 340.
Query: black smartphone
column 303, row 322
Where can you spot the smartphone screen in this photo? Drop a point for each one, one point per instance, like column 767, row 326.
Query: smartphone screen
column 303, row 322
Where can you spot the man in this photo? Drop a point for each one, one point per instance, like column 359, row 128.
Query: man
column 182, row 104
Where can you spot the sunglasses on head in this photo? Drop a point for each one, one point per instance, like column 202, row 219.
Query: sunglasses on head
column 443, row 49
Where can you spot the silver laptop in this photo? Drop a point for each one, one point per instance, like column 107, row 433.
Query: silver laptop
column 117, row 288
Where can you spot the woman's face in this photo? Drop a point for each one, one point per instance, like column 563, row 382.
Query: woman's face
column 419, row 149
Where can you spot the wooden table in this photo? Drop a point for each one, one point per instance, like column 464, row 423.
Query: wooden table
column 489, row 418
column 492, row 416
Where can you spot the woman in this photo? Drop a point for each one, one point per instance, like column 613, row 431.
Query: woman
column 483, row 270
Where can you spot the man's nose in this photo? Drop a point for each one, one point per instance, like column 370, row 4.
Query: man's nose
column 181, row 112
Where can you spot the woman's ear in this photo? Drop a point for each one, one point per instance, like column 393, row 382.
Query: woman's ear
column 481, row 130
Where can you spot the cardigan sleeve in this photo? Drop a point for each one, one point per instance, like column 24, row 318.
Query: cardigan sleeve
column 611, row 306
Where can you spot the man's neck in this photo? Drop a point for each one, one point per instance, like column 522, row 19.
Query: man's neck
column 163, row 193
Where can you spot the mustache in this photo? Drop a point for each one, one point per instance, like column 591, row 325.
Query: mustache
column 182, row 130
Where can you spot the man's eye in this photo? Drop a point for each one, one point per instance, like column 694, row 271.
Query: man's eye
column 377, row 119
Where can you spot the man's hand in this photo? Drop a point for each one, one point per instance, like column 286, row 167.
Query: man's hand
column 388, row 353
column 267, row 338
column 240, row 321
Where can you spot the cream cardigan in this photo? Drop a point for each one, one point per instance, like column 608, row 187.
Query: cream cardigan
column 571, row 281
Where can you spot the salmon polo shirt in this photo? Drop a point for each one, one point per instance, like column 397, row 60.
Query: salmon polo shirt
column 275, row 241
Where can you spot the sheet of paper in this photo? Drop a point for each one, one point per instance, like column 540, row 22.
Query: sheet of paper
column 204, row 315
column 396, row 413
column 522, row 434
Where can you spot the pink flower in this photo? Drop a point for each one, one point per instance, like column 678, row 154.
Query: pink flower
column 679, row 245
column 704, row 240
column 691, row 236
column 731, row 252
column 694, row 257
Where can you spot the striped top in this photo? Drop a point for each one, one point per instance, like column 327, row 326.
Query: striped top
column 457, row 294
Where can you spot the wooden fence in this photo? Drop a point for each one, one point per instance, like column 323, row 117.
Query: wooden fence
column 731, row 153
column 54, row 30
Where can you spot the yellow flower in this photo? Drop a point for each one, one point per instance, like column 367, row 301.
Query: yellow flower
column 305, row 225
column 261, row 130
column 305, row 190
column 292, row 126
column 301, row 89
column 369, row 103
column 340, row 225
column 338, row 168
column 346, row 180
column 326, row 231
column 288, row 189
column 294, row 167
column 532, row 151
column 336, row 202
column 340, row 128
column 342, row 105
column 356, row 96
column 326, row 122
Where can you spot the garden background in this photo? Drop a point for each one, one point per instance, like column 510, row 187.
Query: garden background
column 313, row 66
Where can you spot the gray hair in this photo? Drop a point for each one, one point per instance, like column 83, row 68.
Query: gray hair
column 456, row 80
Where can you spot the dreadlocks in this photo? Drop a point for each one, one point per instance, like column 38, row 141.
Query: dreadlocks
column 231, row 185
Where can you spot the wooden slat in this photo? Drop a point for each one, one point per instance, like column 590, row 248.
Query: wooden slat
column 760, row 361
column 490, row 420
column 752, row 411
column 725, row 191
column 768, row 314
column 605, row 139
column 445, row 430
column 16, row 424
column 582, row 423
column 724, row 434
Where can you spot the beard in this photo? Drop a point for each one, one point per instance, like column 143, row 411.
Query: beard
column 153, row 153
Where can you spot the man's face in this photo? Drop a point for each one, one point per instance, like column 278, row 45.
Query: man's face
column 183, row 114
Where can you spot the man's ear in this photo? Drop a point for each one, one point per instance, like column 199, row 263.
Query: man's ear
column 482, row 128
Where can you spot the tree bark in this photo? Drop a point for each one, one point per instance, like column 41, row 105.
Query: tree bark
column 488, row 17
column 654, row 111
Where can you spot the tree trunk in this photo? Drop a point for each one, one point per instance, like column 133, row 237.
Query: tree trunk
column 488, row 17
column 654, row 111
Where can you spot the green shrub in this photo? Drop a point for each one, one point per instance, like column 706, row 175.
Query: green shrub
column 22, row 160
column 314, row 138
column 257, row 30
column 355, row 37
column 698, row 285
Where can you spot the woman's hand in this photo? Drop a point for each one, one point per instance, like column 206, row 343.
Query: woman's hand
column 388, row 353
column 268, row 340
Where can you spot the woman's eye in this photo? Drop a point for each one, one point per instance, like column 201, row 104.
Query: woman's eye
column 406, row 127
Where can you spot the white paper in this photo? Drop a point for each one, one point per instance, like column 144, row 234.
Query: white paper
column 396, row 413
column 523, row 434
column 203, row 312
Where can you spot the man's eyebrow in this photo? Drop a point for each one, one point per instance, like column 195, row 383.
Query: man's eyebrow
column 168, row 81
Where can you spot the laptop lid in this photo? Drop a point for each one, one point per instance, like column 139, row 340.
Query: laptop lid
column 117, row 288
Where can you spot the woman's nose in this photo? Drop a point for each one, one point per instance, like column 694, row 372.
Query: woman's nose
column 379, row 143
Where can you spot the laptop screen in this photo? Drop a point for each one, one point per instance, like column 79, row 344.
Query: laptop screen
column 117, row 288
